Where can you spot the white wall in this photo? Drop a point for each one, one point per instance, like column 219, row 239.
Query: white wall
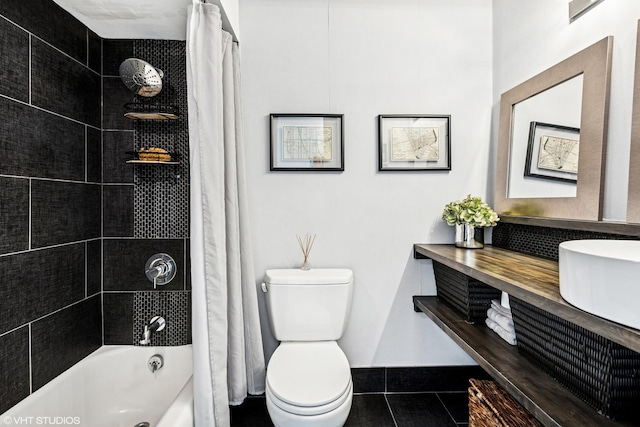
column 529, row 37
column 362, row 58
column 230, row 16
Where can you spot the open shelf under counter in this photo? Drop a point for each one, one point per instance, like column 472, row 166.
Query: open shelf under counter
column 529, row 278
column 540, row 394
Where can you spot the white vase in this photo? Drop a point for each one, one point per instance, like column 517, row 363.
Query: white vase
column 470, row 237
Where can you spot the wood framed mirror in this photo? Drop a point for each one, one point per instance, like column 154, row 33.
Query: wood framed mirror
column 590, row 69
column 633, row 199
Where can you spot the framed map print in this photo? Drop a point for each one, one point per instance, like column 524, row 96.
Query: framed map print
column 414, row 142
column 307, row 142
column 552, row 152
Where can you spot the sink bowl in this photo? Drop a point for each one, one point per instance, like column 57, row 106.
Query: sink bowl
column 602, row 277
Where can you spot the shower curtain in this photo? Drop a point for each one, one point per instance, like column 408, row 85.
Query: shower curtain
column 227, row 342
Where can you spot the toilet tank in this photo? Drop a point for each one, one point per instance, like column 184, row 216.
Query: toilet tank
column 308, row 305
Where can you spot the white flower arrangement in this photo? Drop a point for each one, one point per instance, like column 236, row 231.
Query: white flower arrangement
column 472, row 211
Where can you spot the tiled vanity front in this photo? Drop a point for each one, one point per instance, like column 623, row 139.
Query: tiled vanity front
column 532, row 279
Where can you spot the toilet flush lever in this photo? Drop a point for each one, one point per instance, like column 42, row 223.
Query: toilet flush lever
column 264, row 287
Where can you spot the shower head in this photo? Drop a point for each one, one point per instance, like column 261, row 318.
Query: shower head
column 141, row 77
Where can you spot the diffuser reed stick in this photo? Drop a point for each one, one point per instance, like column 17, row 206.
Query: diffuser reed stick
column 305, row 246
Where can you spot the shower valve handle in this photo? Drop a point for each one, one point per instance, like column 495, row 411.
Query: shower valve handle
column 160, row 269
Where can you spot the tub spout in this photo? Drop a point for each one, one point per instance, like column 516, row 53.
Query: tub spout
column 155, row 325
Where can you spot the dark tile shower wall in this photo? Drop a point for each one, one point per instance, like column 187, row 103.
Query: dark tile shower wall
column 50, row 195
column 74, row 216
column 145, row 207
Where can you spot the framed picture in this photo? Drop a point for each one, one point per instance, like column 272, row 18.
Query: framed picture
column 414, row 143
column 552, row 152
column 307, row 142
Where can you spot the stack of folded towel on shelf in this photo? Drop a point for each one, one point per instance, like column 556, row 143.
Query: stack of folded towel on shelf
column 500, row 321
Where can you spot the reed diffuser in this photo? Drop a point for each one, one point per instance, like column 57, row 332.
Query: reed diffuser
column 305, row 246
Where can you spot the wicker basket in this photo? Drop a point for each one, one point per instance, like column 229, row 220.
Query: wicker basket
column 604, row 374
column 469, row 296
column 491, row 406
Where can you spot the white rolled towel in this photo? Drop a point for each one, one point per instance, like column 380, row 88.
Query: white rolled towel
column 495, row 304
column 503, row 321
column 510, row 338
column 504, row 300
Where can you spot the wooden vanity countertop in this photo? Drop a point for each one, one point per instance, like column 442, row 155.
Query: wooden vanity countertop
column 529, row 278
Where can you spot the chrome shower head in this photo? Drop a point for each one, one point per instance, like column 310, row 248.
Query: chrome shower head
column 141, row 77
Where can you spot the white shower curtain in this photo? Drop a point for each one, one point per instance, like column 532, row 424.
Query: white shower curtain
column 227, row 342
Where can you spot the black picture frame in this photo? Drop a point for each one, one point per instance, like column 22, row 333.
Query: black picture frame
column 306, row 142
column 552, row 152
column 414, row 142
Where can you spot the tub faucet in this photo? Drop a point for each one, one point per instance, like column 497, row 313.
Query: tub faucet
column 155, row 325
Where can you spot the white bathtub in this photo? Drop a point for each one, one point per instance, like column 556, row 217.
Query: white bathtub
column 113, row 387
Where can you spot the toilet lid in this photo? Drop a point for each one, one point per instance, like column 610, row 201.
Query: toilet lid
column 308, row 373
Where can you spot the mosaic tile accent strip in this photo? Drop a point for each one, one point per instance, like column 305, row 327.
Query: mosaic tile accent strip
column 174, row 306
column 542, row 241
column 161, row 196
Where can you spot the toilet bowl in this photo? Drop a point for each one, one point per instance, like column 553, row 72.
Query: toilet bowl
column 309, row 384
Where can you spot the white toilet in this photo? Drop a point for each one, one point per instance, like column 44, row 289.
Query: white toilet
column 308, row 376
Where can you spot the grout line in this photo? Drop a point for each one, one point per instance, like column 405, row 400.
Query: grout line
column 102, row 203
column 102, row 286
column 390, row 410
column 30, row 364
column 13, row 330
column 101, row 102
column 46, row 247
column 28, row 104
column 30, row 67
column 60, row 309
column 86, row 273
column 386, row 379
column 70, row 181
column 141, row 238
column 30, row 215
column 50, row 45
column 86, row 153
column 30, row 322
column 393, row 393
column 86, row 35
column 155, row 291
column 446, row 409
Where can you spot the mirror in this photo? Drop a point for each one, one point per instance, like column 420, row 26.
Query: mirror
column 520, row 190
column 633, row 199
column 577, row 8
column 545, row 142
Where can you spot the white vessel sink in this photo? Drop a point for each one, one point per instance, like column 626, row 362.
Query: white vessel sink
column 602, row 277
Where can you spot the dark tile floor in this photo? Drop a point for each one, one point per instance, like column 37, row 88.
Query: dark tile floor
column 447, row 409
column 392, row 397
